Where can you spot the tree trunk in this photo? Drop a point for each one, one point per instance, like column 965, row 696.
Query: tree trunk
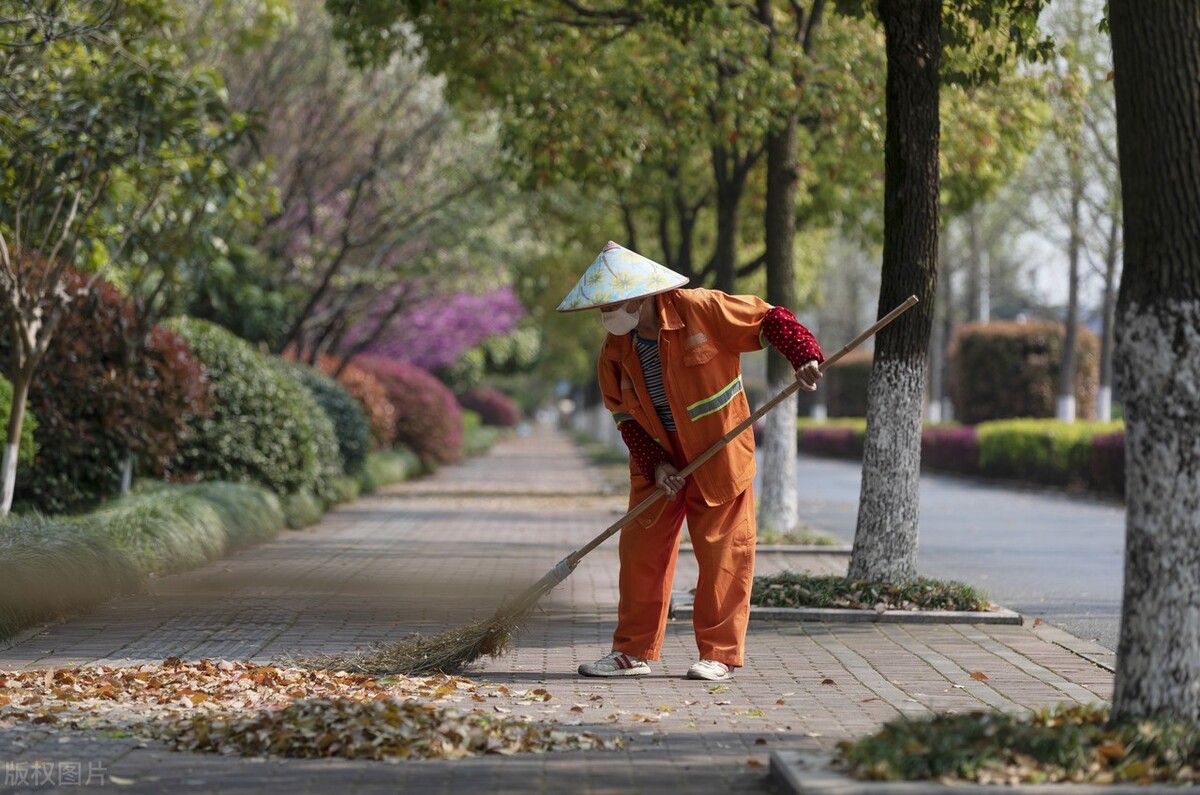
column 885, row 541
column 731, row 182
column 938, row 343
column 979, row 294
column 779, row 509
column 16, row 419
column 1111, row 252
column 1065, row 409
column 1156, row 54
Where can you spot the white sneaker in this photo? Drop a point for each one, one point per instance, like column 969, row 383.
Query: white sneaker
column 711, row 670
column 616, row 663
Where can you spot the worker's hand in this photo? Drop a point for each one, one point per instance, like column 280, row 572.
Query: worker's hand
column 808, row 375
column 666, row 477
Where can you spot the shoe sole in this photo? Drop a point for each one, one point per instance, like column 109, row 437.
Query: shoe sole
column 708, row 678
column 620, row 672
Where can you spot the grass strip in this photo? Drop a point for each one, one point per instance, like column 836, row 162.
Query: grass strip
column 793, row 589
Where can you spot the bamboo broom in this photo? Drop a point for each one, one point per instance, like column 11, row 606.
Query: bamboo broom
column 450, row 651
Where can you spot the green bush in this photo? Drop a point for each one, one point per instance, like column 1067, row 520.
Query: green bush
column 845, row 387
column 259, row 428
column 389, row 466
column 329, row 455
column 1043, row 451
column 51, row 566
column 350, row 424
column 27, row 448
column 1007, row 369
column 302, row 509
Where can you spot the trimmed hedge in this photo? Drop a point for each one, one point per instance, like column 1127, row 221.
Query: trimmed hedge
column 428, row 418
column 94, row 409
column 329, row 455
column 840, row 438
column 1043, row 451
column 845, row 386
column 49, row 565
column 493, row 406
column 1007, row 369
column 259, row 429
column 1089, row 455
column 372, row 398
column 351, row 428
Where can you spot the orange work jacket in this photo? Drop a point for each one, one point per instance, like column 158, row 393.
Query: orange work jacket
column 702, row 336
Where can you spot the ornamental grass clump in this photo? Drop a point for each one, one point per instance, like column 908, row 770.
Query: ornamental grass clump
column 169, row 528
column 791, row 589
column 1069, row 743
column 50, row 566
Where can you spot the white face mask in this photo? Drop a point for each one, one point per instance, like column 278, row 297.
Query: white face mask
column 618, row 321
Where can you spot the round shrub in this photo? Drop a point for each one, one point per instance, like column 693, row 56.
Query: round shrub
column 371, row 396
column 1006, row 369
column 845, row 387
column 98, row 400
column 27, row 447
column 492, row 406
column 259, row 429
column 350, row 425
column 428, row 419
column 329, row 457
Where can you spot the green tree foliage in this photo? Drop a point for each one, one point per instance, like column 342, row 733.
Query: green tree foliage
column 97, row 114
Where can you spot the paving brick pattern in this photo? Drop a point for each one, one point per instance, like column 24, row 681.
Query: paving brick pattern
column 438, row 552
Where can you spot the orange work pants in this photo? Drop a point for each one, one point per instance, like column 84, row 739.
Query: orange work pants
column 723, row 541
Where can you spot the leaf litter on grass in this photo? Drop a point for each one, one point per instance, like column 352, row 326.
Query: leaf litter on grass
column 249, row 709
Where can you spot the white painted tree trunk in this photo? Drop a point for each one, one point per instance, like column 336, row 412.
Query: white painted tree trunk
column 127, row 474
column 1158, row 655
column 1065, row 409
column 885, row 542
column 779, row 508
column 1104, row 404
column 8, row 477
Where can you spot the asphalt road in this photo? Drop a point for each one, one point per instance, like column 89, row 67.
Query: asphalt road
column 1045, row 554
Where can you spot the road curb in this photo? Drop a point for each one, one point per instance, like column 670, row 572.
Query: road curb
column 1089, row 650
column 812, row 774
column 681, row 608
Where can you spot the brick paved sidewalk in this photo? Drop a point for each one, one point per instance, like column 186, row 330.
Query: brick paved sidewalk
column 435, row 553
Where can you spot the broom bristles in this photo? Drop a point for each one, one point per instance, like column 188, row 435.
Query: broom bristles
column 445, row 653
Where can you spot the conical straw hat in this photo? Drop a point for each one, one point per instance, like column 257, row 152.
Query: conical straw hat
column 619, row 275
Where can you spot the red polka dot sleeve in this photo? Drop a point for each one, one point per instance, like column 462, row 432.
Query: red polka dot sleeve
column 781, row 328
column 645, row 452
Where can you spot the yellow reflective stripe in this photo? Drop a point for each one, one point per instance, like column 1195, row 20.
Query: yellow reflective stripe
column 702, row 408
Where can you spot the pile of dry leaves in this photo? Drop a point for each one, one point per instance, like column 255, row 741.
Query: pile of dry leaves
column 258, row 710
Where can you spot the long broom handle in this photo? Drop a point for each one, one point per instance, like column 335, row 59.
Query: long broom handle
column 573, row 559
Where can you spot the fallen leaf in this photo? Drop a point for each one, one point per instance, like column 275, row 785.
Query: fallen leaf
column 753, row 763
column 979, row 675
column 828, row 682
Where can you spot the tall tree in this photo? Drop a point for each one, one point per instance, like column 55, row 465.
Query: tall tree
column 86, row 121
column 885, row 542
column 1156, row 58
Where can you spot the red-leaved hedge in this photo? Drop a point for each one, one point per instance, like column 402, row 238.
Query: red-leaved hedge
column 428, row 418
column 371, row 395
column 493, row 406
column 93, row 409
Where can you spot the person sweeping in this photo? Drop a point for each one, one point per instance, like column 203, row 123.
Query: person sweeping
column 670, row 373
